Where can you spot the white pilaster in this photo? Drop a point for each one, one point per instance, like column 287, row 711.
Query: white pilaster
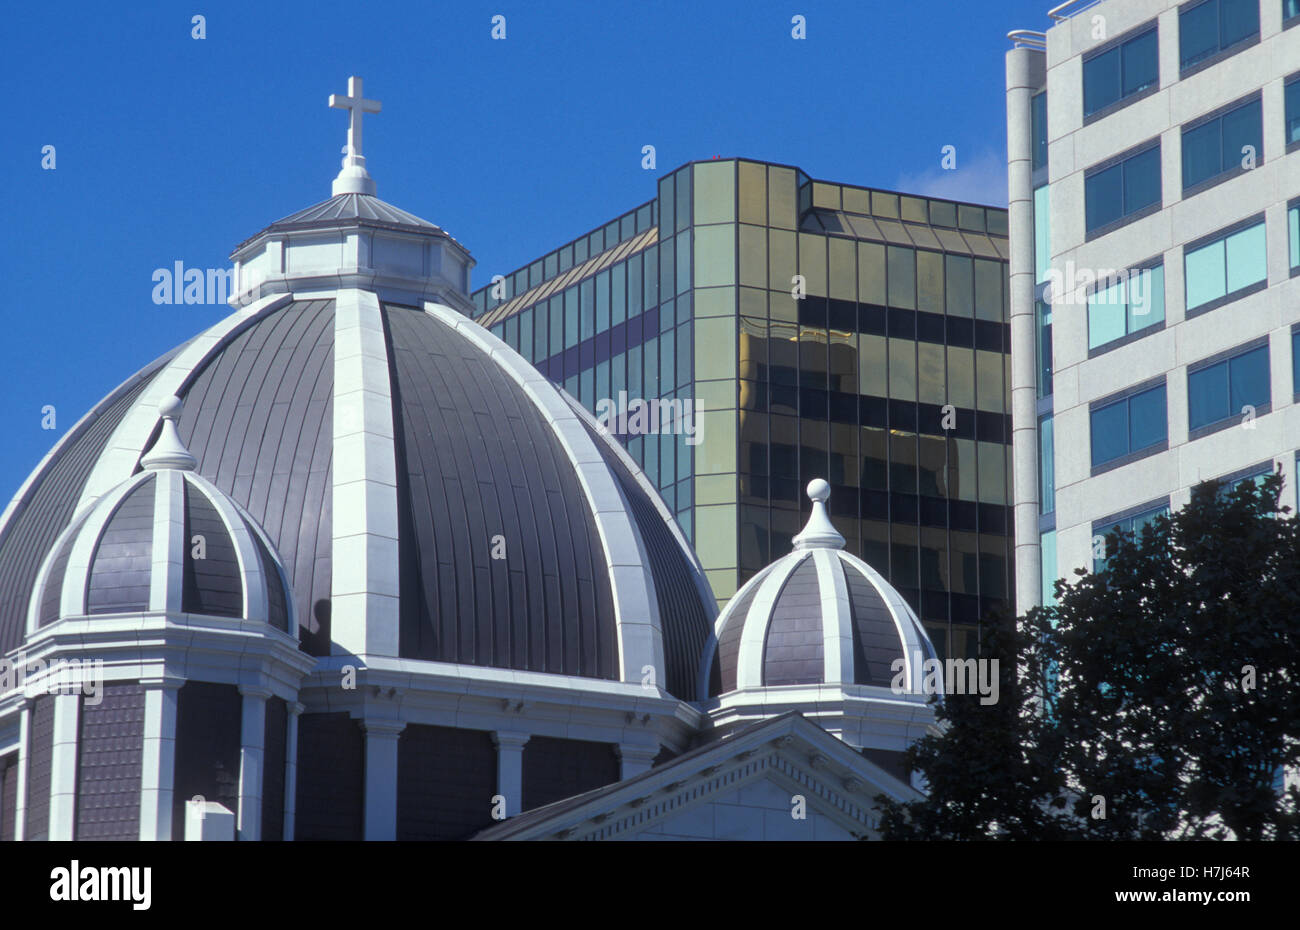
column 365, row 580
column 381, row 778
column 24, row 738
column 63, row 768
column 510, row 769
column 157, row 773
column 252, row 740
column 291, row 769
column 635, row 758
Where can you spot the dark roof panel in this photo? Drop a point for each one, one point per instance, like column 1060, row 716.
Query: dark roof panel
column 212, row 584
column 875, row 637
column 122, row 564
column 793, row 648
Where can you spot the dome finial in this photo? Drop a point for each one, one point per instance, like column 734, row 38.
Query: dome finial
column 354, row 179
column 169, row 451
column 819, row 532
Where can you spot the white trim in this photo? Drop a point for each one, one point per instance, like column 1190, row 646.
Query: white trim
column 63, row 767
column 170, row 547
column 837, row 619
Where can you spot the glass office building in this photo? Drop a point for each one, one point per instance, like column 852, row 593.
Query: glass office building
column 820, row 330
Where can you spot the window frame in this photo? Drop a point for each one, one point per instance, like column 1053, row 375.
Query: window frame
column 1223, row 235
column 1137, row 32
column 1124, row 219
column 1226, row 357
column 1106, row 525
column 1217, row 116
column 1223, row 52
column 1129, row 337
column 1126, row 396
column 1287, row 83
column 1288, row 22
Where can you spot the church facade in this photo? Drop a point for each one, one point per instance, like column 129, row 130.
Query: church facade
column 346, row 566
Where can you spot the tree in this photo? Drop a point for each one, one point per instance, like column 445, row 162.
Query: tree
column 1156, row 700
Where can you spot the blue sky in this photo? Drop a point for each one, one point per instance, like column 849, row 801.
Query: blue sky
column 174, row 149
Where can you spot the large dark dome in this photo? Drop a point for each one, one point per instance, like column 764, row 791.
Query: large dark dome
column 524, row 538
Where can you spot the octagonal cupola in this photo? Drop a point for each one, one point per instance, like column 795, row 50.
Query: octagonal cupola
column 354, row 239
column 165, row 541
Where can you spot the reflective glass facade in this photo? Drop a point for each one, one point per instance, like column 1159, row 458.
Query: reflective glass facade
column 825, row 331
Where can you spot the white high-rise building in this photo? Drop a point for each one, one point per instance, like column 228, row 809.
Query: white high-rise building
column 1155, row 229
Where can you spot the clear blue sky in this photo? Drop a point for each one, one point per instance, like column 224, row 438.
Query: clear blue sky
column 173, row 149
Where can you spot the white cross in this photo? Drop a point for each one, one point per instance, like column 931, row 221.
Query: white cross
column 356, row 105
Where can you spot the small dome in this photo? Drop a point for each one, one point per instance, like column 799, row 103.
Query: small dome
column 818, row 616
column 164, row 541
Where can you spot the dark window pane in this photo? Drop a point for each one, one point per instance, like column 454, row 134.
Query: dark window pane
column 1201, row 154
column 1140, row 63
column 1109, row 433
column 1103, row 197
column 1198, row 33
column 1238, row 19
column 1241, row 128
column 1142, row 180
column 1207, row 395
column 1039, row 118
column 1293, row 108
column 1249, row 380
column 1147, row 422
column 1295, row 354
column 1101, row 81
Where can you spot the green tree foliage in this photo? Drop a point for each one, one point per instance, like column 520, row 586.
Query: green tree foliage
column 1157, row 700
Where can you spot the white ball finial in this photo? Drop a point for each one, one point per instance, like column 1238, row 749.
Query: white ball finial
column 820, row 533
column 171, row 408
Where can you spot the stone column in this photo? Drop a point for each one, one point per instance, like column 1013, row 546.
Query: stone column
column 510, row 769
column 291, row 769
column 381, row 778
column 158, row 764
column 24, row 736
column 252, row 755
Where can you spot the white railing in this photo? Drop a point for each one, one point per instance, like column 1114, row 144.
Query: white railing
column 1028, row 38
column 1058, row 15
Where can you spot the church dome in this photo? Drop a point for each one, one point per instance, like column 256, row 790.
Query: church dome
column 431, row 496
column 163, row 541
column 817, row 616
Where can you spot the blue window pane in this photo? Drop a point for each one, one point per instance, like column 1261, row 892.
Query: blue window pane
column 1039, row 120
column 1101, row 81
column 1103, row 197
column 1140, row 63
column 1206, row 275
column 1293, row 228
column 1198, row 33
column 1207, row 396
column 1293, row 109
column 1238, row 19
column 1202, row 152
column 1147, row 421
column 1106, row 309
column 1247, row 262
column 1249, row 380
column 1142, row 180
column 1242, row 127
column 1146, row 299
column 1046, row 466
column 1291, row 8
column 1109, row 432
column 1044, row 326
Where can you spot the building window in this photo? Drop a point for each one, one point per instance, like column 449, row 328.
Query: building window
column 1128, row 428
column 1042, row 234
column 1226, row 267
column 1046, row 466
column 1218, row 394
column 1208, row 28
column 1118, row 193
column 1043, row 325
column 1038, row 119
column 1290, row 12
column 1132, row 522
column 1133, row 304
column 1223, row 145
column 1120, row 72
column 1293, row 228
column 1047, row 552
column 1295, row 364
